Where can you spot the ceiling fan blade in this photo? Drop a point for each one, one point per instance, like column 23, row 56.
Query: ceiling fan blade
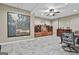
column 57, row 12
column 53, row 14
column 47, row 15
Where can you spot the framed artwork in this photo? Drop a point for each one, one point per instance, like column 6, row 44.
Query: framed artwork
column 18, row 24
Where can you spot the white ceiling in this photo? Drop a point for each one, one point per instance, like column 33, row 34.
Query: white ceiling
column 38, row 8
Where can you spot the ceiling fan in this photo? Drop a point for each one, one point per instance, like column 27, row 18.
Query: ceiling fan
column 51, row 12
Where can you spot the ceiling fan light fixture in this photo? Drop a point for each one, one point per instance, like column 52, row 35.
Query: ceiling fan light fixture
column 75, row 10
column 66, row 3
column 51, row 10
column 50, row 13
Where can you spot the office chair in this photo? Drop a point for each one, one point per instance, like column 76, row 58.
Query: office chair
column 68, row 39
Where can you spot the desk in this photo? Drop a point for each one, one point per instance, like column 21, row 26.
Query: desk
column 60, row 31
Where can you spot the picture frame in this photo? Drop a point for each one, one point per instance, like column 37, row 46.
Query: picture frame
column 18, row 24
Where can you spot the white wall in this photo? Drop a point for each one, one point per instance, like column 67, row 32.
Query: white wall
column 55, row 26
column 70, row 21
column 42, row 21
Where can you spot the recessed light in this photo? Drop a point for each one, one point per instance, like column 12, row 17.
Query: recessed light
column 74, row 10
column 42, row 14
column 66, row 3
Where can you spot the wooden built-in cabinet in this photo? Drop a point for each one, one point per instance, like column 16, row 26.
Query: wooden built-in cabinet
column 60, row 31
column 43, row 30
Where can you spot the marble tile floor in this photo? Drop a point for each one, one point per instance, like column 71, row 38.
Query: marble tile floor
column 3, row 53
column 48, row 45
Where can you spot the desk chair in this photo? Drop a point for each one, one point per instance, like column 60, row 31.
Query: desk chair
column 68, row 39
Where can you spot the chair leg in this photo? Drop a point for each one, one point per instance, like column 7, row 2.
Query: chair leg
column 70, row 49
column 75, row 49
